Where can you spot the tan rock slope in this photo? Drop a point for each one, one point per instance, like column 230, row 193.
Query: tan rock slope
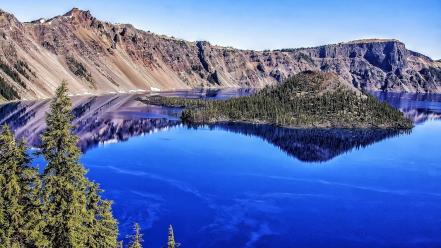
column 97, row 57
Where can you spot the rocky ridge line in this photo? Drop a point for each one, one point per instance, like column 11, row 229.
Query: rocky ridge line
column 98, row 57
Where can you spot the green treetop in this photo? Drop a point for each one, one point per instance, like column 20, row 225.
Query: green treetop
column 75, row 213
column 171, row 243
column 21, row 222
column 104, row 226
column 64, row 177
column 137, row 237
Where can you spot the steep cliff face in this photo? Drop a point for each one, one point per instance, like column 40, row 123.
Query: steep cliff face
column 380, row 65
column 97, row 57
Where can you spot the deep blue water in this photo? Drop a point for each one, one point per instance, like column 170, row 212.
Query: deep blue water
column 220, row 189
column 257, row 186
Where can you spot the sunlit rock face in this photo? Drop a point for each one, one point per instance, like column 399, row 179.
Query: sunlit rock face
column 97, row 57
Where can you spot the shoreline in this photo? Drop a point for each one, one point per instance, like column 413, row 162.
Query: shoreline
column 206, row 88
column 305, row 127
column 133, row 92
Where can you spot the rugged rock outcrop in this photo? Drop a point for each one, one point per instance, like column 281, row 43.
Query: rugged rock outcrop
column 97, row 57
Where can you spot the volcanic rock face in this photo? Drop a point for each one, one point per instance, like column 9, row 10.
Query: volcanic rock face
column 97, row 57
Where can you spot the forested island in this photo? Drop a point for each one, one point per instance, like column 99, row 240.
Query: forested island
column 306, row 100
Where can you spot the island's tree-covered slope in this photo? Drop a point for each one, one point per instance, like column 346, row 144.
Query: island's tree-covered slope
column 306, row 100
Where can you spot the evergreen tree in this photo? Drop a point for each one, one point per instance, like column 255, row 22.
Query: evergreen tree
column 30, row 199
column 171, row 243
column 64, row 191
column 21, row 222
column 76, row 215
column 104, row 226
column 11, row 209
column 137, row 237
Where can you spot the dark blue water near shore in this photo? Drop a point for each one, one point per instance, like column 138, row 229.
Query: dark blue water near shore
column 257, row 186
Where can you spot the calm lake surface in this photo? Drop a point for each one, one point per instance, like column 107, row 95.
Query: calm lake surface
column 258, row 186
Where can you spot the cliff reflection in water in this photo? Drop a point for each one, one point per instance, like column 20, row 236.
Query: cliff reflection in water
column 419, row 107
column 98, row 119
column 312, row 145
column 108, row 118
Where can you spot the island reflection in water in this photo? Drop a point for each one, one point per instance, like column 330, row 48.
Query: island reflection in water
column 116, row 118
column 312, row 145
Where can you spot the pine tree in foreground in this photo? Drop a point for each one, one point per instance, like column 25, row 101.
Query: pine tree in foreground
column 76, row 215
column 103, row 226
column 64, row 191
column 21, row 222
column 11, row 219
column 137, row 237
column 171, row 238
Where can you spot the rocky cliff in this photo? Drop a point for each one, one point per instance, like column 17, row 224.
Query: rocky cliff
column 97, row 57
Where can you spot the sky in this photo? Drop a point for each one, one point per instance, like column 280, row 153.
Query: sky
column 262, row 24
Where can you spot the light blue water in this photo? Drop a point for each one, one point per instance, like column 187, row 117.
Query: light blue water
column 249, row 186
